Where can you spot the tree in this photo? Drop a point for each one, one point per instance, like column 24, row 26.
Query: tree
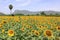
column 20, row 14
column 11, row 7
column 37, row 14
column 51, row 14
column 42, row 13
column 57, row 14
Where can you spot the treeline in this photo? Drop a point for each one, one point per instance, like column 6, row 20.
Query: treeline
column 39, row 14
column 51, row 14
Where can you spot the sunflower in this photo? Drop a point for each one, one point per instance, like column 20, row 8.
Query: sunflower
column 3, row 22
column 33, row 31
column 29, row 27
column 58, row 28
column 22, row 29
column 36, row 32
column 48, row 33
column 42, row 27
column 10, row 32
column 3, row 30
column 0, row 25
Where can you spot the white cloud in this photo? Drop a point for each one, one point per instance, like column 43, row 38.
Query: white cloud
column 24, row 3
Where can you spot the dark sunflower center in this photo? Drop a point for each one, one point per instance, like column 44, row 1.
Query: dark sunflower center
column 11, row 32
column 58, row 28
column 48, row 33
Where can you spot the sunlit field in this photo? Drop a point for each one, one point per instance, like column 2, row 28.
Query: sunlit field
column 29, row 28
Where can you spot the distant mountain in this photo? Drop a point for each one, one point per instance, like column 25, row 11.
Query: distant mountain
column 25, row 12
column 51, row 12
column 1, row 14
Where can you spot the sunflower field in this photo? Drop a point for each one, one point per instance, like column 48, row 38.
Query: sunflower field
column 29, row 28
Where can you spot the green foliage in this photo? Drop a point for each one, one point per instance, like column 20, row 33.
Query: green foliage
column 19, row 14
column 37, row 14
column 42, row 13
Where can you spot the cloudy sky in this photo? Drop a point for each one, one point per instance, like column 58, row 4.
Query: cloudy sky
column 31, row 5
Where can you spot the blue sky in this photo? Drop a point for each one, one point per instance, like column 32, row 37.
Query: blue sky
column 31, row 5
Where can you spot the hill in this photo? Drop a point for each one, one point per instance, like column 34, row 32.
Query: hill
column 26, row 12
column 1, row 14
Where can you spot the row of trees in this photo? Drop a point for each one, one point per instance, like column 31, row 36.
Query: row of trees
column 51, row 14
